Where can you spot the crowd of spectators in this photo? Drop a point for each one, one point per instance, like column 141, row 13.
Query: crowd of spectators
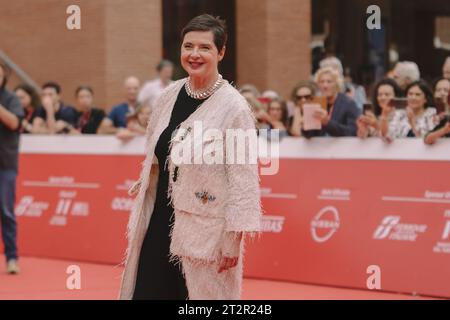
column 402, row 105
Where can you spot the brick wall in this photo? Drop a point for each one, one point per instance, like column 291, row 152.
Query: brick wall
column 117, row 38
column 273, row 43
column 124, row 37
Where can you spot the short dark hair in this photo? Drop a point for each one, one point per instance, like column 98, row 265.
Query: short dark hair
column 384, row 82
column 164, row 63
column 53, row 85
column 29, row 90
column 423, row 86
column 83, row 87
column 207, row 22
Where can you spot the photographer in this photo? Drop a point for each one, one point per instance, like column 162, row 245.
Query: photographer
column 11, row 115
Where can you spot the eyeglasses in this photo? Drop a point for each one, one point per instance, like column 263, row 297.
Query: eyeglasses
column 305, row 97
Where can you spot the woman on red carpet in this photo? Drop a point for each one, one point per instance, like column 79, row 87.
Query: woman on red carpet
column 187, row 228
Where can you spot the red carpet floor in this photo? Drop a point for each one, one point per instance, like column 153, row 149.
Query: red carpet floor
column 45, row 279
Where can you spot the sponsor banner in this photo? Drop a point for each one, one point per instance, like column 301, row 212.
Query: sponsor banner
column 75, row 206
column 342, row 216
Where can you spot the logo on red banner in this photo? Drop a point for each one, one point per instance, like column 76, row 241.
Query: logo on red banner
column 392, row 229
column 443, row 246
column 325, row 224
column 272, row 223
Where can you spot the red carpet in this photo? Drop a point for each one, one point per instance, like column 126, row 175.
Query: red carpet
column 45, row 279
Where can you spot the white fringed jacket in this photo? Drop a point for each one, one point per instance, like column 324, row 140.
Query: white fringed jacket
column 211, row 201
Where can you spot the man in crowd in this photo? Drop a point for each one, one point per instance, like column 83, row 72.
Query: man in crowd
column 54, row 116
column 11, row 115
column 153, row 89
column 117, row 118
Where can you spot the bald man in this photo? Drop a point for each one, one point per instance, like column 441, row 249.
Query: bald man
column 117, row 118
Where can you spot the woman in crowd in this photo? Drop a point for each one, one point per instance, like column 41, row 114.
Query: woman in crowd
column 441, row 90
column 418, row 118
column 136, row 123
column 373, row 123
column 277, row 117
column 31, row 103
column 441, row 96
column 89, row 117
column 340, row 117
column 303, row 92
column 258, row 112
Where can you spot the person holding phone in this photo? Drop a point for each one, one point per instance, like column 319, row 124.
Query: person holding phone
column 376, row 116
column 339, row 118
column 303, row 92
column 418, row 117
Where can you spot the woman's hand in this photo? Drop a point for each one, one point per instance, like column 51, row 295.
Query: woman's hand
column 227, row 263
column 432, row 137
column 411, row 116
column 323, row 116
column 370, row 120
column 363, row 131
column 263, row 116
column 125, row 134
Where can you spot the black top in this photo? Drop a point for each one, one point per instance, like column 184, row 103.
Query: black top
column 183, row 108
column 88, row 122
column 9, row 140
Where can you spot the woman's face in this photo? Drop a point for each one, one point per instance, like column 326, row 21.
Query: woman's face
column 275, row 110
column 25, row 99
column 384, row 95
column 143, row 116
column 85, row 100
column 442, row 89
column 303, row 95
column 199, row 55
column 327, row 85
column 416, row 98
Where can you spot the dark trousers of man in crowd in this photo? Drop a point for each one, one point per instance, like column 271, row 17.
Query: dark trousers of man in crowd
column 7, row 217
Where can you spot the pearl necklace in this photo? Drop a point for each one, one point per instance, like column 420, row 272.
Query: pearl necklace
column 203, row 94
